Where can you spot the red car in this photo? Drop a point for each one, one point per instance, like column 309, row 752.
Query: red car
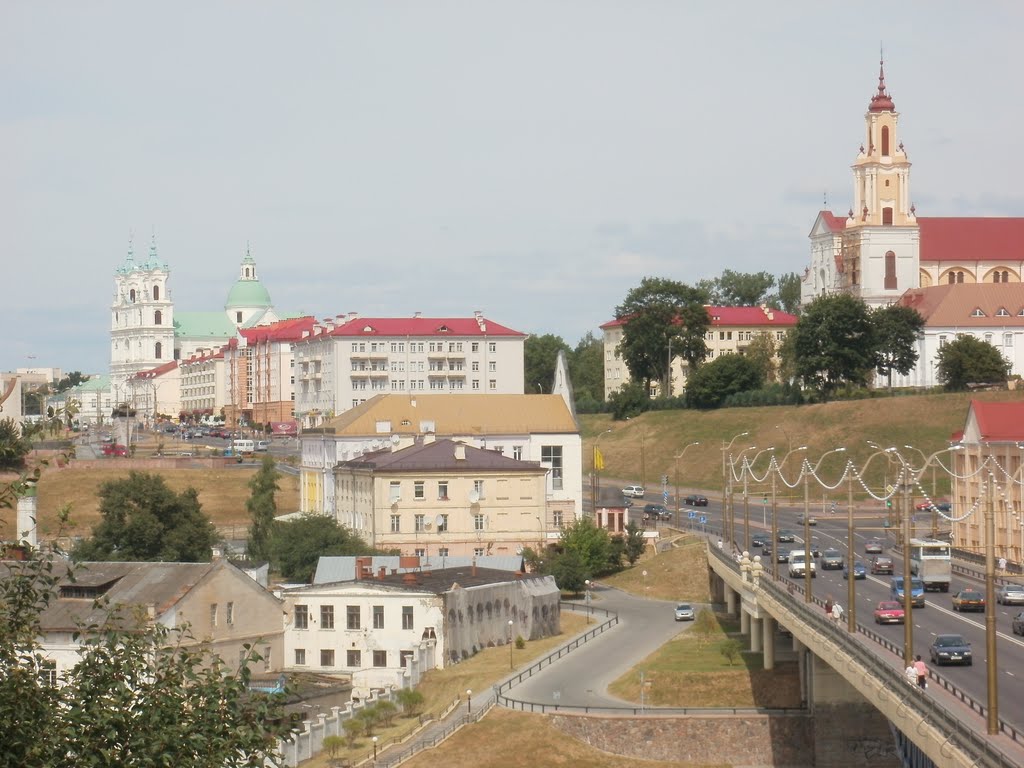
column 113, row 449
column 889, row 612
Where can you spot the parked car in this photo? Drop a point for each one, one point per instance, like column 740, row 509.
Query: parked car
column 810, row 520
column 633, row 491
column 881, row 565
column 115, row 449
column 889, row 612
column 696, row 500
column 831, row 560
column 758, row 540
column 1010, row 594
column 684, row 612
column 873, row 547
column 968, row 600
column 950, row 649
column 656, row 512
column 858, row 569
column 1018, row 624
column 787, row 536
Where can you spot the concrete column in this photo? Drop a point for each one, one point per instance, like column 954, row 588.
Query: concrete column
column 797, row 645
column 744, row 622
column 768, row 624
column 730, row 600
column 756, row 627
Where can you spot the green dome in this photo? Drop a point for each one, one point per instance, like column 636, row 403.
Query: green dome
column 248, row 294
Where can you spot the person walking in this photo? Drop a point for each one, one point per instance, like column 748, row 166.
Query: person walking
column 911, row 674
column 837, row 613
column 828, row 606
column 922, row 672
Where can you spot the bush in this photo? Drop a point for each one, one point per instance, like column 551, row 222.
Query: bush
column 731, row 650
column 520, row 643
column 386, row 712
column 410, row 700
column 353, row 729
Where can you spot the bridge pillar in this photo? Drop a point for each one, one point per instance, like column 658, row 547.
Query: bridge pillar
column 744, row 622
column 768, row 624
column 730, row 600
column 756, row 628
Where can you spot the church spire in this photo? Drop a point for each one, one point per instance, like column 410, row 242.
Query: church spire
column 881, row 101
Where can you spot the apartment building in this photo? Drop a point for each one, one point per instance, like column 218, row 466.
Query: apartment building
column 203, row 383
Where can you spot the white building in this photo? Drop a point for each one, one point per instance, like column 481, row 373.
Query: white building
column 344, row 362
column 203, row 383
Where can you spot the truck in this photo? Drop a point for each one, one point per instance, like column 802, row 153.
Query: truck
column 930, row 561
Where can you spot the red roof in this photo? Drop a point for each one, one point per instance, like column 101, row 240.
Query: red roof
column 833, row 222
column 219, row 354
column 421, row 326
column 283, row 330
column 152, row 373
column 999, row 422
column 881, row 101
column 732, row 316
column 960, row 240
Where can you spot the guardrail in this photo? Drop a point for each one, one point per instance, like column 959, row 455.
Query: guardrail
column 970, row 740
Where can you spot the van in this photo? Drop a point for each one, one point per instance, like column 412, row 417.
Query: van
column 916, row 591
column 243, row 447
column 263, row 445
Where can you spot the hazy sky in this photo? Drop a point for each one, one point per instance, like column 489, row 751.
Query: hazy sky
column 533, row 160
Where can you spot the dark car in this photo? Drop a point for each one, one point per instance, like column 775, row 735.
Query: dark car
column 787, row 536
column 881, row 565
column 873, row 547
column 758, row 540
column 950, row 649
column 968, row 600
column 831, row 560
column 859, row 571
column 657, row 512
column 782, row 556
column 766, row 551
column 696, row 500
column 1018, row 624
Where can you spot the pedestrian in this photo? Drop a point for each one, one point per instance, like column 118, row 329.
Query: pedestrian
column 828, row 606
column 837, row 613
column 719, row 543
column 911, row 674
column 922, row 672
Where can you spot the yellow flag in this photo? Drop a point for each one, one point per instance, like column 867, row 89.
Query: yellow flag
column 598, row 459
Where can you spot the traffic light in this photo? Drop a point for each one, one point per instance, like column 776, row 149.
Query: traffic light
column 888, row 503
column 765, row 499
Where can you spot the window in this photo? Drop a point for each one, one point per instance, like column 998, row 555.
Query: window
column 131, row 295
column 378, row 617
column 475, row 347
column 267, row 662
column 230, row 614
column 887, row 217
column 942, row 341
column 419, row 523
column 492, row 346
column 478, row 488
column 551, row 455
column 380, row 658
column 156, row 295
column 476, row 384
column 407, row 617
column 442, row 490
column 418, row 491
column 326, row 617
column 396, row 523
column 1007, row 339
column 478, row 522
column 442, row 551
column 405, row 657
column 352, row 617
column 885, row 142
column 158, row 351
column 395, row 491
column 988, row 338
column 326, row 658
column 1002, row 312
column 213, row 615
column 420, row 552
column 478, row 552
column 238, row 319
column 353, row 658
column 492, row 384
column 442, row 525
column 492, row 366
column 978, row 312
column 556, row 518
column 158, row 318
column 301, row 617
column 300, row 657
column 48, row 673
column 890, row 270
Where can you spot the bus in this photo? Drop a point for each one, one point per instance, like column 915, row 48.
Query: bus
column 930, row 561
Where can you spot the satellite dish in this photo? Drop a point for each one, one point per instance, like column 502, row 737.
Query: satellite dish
column 474, row 496
column 427, row 524
column 439, row 520
column 395, row 439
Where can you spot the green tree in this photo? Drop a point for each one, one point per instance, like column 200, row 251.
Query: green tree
column 628, row 401
column 897, row 329
column 297, row 545
column 568, row 569
column 14, row 447
column 635, row 543
column 744, row 289
column 731, row 650
column 762, row 351
column 333, row 746
column 655, row 312
column 834, row 343
column 143, row 519
column 262, row 507
column 586, row 370
column 589, row 542
column 788, row 296
column 967, row 360
column 410, row 700
column 539, row 356
column 386, row 712
column 73, row 379
column 787, row 371
column 724, row 376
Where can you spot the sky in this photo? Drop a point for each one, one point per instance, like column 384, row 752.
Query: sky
column 531, row 160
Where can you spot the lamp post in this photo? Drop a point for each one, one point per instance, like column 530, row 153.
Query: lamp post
column 510, row 644
column 726, row 483
column 469, row 701
column 775, row 510
column 746, row 498
column 595, row 482
column 587, row 584
column 374, row 740
column 677, row 457
column 808, row 597
column 990, row 604
column 732, row 492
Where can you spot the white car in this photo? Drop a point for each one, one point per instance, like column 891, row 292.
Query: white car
column 633, row 491
column 684, row 612
column 798, row 564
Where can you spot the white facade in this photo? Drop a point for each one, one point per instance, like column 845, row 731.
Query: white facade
column 203, row 383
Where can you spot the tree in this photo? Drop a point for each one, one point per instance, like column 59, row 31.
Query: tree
column 628, row 401
column 589, row 542
column 14, row 447
column 731, row 650
column 762, row 351
column 143, row 519
column 705, row 626
column 744, row 289
column 386, row 712
column 262, row 507
column 635, row 543
column 73, row 379
column 539, row 355
column 353, row 730
column 967, row 360
column 713, row 382
column 586, row 370
column 897, row 329
column 568, row 569
column 834, row 343
column 655, row 312
column 333, row 746
column 788, row 297
column 297, row 545
column 410, row 700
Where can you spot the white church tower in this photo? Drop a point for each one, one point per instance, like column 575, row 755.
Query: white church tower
column 141, row 317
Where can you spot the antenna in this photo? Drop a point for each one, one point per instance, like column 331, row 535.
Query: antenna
column 474, row 496
column 395, row 439
column 439, row 521
column 427, row 524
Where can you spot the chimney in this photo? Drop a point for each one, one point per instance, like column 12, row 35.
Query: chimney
column 460, row 452
column 364, row 568
column 472, row 568
column 410, row 578
column 417, row 315
column 382, row 572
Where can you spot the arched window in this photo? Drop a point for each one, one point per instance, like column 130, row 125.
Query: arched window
column 890, row 271
column 158, row 318
column 131, row 295
column 1006, row 277
column 156, row 293
column 959, row 277
column 159, row 351
column 951, row 278
column 887, row 217
column 885, row 141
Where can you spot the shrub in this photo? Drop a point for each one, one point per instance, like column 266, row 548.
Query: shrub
column 520, row 642
column 731, row 650
column 410, row 700
column 353, row 729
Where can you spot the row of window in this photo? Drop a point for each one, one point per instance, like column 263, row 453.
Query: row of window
column 419, row 346
column 353, row 658
column 989, row 339
column 229, row 614
column 353, row 617
column 419, row 488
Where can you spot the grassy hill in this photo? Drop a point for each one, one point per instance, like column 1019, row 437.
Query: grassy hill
column 642, row 448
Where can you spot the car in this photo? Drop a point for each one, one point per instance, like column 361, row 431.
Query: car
column 758, row 540
column 627, row 503
column 263, row 445
column 766, row 551
column 968, row 600
column 1010, row 594
column 1018, row 624
column 873, row 547
column 657, row 512
column 831, row 560
column 810, row 520
column 782, row 556
column 881, row 565
column 684, row 612
column 696, row 500
column 633, row 491
column 115, row 449
column 787, row 536
column 815, row 547
column 798, row 565
column 889, row 612
column 942, row 506
column 950, row 649
column 859, row 571
column 916, row 591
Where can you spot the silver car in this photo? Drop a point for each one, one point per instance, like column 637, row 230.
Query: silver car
column 684, row 612
column 1010, row 594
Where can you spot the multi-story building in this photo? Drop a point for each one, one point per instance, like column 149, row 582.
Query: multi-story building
column 259, row 372
column 156, row 393
column 203, row 384
column 93, row 399
column 731, row 331
column 530, row 428
column 342, row 363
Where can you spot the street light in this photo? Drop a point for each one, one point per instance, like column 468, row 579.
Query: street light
column 374, row 740
column 595, row 483
column 746, row 498
column 732, row 492
column 510, row 667
column 775, row 508
column 808, row 597
column 935, row 509
column 677, row 458
column 469, row 701
column 725, row 482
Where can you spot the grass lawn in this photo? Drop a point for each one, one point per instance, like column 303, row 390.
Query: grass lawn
column 681, row 573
